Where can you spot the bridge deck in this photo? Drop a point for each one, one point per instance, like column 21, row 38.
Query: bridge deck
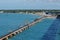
column 5, row 37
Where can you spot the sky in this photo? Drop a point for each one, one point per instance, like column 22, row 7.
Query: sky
column 29, row 4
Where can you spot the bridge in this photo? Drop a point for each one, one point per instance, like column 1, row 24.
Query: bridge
column 19, row 30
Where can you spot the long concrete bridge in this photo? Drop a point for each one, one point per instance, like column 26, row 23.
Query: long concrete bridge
column 19, row 30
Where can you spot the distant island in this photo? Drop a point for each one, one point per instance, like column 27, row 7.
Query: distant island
column 29, row 11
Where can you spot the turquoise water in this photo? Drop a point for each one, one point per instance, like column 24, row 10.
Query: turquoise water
column 58, row 30
column 11, row 21
column 53, row 32
column 36, row 32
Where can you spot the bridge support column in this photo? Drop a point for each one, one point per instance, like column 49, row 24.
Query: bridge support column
column 5, row 38
column 10, row 36
column 25, row 28
column 20, row 30
column 17, row 32
column 13, row 34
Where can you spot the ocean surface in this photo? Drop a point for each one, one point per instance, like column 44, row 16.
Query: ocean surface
column 47, row 29
column 11, row 21
column 36, row 32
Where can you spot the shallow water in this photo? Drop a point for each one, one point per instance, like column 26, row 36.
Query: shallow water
column 36, row 32
column 11, row 21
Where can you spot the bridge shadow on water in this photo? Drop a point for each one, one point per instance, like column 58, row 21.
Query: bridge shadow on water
column 52, row 31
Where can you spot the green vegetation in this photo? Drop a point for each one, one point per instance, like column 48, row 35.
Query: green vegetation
column 29, row 11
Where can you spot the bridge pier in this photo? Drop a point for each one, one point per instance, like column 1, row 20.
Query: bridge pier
column 14, row 34
column 20, row 31
column 9, row 36
column 17, row 32
column 5, row 38
column 25, row 28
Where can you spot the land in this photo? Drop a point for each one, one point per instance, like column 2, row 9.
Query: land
column 28, row 11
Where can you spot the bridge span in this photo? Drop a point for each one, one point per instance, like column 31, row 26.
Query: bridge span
column 19, row 30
